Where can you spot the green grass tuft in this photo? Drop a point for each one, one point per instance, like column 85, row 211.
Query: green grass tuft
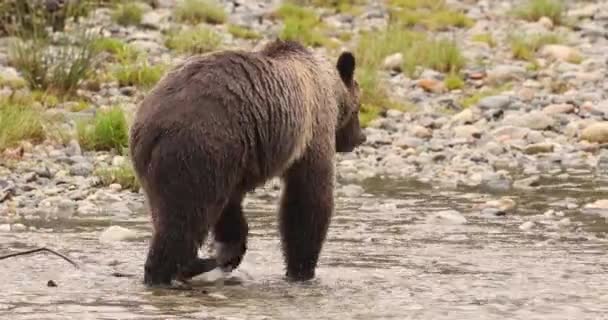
column 340, row 6
column 453, row 81
column 31, row 19
column 194, row 41
column 431, row 14
column 19, row 122
column 301, row 24
column 525, row 47
column 123, row 175
column 439, row 54
column 485, row 38
column 128, row 14
column 107, row 131
column 197, row 11
column 60, row 69
column 121, row 51
column 533, row 10
column 12, row 82
column 243, row 32
column 374, row 96
column 140, row 74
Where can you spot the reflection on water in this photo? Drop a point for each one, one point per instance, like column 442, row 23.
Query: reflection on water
column 384, row 259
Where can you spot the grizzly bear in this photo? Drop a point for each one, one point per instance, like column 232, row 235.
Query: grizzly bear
column 221, row 124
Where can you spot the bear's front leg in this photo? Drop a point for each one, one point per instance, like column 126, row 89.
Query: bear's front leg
column 306, row 209
column 230, row 234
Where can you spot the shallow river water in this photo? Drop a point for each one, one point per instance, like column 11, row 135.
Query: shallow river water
column 386, row 258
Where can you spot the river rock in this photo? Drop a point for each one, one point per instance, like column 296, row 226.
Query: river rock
column 393, row 62
column 152, row 19
column 83, row 169
column 351, row 190
column 527, row 183
column 599, row 207
column 503, row 205
column 495, row 102
column 467, row 131
column 599, row 109
column 537, row 148
column 510, row 132
column 87, row 208
column 432, row 85
column 464, row 116
column 497, row 181
column 447, row 217
column 73, row 149
column 116, row 233
column 560, row 52
column 11, row 78
column 421, row 132
column 564, row 222
column 546, row 22
column 597, row 132
column 527, row 225
column 558, row 109
column 535, row 120
column 408, row 142
column 504, row 73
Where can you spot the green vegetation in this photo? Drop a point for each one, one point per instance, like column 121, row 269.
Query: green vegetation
column 371, row 50
column 439, row 54
column 107, row 131
column 301, row 24
column 526, row 47
column 12, row 82
column 128, row 14
column 431, row 14
column 19, row 122
column 123, row 175
column 418, row 51
column 119, row 50
column 30, row 18
column 140, row 74
column 194, row 41
column 243, row 33
column 197, row 11
column 59, row 69
column 374, row 96
column 533, row 10
column 373, row 47
column 453, row 81
column 342, row 6
column 45, row 98
column 485, row 38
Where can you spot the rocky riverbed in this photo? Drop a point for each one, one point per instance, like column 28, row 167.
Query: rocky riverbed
column 551, row 121
column 485, row 197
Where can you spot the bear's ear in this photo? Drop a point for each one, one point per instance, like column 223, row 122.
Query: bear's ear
column 346, row 67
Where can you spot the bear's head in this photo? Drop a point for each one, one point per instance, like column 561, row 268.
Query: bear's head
column 349, row 134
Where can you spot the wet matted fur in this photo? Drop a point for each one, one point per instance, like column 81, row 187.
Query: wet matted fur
column 221, row 124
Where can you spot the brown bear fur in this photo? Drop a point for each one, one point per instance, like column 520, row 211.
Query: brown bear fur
column 221, row 124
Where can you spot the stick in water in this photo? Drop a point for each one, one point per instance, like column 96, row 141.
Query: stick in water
column 39, row 250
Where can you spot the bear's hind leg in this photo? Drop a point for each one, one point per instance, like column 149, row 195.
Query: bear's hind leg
column 173, row 252
column 230, row 234
column 305, row 213
column 172, row 248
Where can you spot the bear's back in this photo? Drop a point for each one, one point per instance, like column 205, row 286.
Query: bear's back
column 266, row 104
